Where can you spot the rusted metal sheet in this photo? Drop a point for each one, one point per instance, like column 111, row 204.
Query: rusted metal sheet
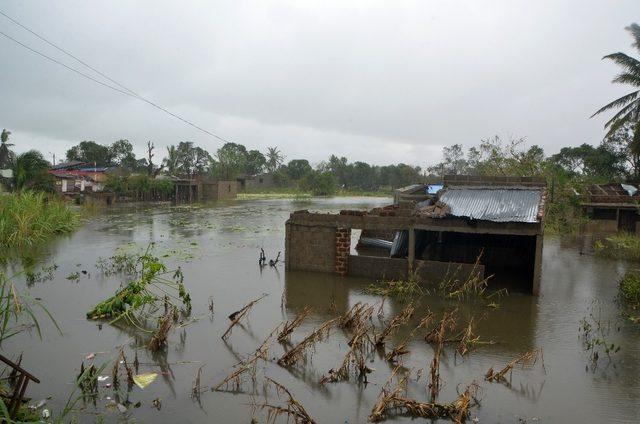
column 494, row 204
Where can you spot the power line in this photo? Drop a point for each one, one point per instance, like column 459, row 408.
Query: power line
column 68, row 53
column 128, row 91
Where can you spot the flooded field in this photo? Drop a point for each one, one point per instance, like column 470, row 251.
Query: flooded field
column 217, row 248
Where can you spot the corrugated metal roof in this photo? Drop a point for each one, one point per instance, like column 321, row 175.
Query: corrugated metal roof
column 494, row 204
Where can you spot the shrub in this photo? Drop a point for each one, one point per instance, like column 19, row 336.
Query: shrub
column 629, row 288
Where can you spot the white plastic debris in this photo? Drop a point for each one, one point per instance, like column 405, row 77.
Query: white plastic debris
column 46, row 414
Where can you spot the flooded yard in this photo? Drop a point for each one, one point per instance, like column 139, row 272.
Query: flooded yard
column 217, row 248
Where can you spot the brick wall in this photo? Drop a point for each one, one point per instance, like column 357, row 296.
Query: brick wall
column 343, row 248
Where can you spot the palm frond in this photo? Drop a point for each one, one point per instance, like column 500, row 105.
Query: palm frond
column 628, row 78
column 622, row 101
column 627, row 113
column 627, row 62
column 634, row 29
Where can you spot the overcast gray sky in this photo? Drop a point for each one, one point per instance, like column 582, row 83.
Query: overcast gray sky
column 382, row 82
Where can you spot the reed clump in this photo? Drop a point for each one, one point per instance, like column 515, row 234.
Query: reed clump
column 28, row 218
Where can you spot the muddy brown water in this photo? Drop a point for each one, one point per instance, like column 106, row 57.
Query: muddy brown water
column 217, row 247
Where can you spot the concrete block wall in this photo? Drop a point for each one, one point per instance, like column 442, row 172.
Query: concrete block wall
column 227, row 189
column 343, row 248
column 310, row 248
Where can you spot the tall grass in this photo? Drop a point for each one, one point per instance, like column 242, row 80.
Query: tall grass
column 27, row 218
column 619, row 246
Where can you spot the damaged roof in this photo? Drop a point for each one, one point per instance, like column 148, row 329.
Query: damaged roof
column 494, row 204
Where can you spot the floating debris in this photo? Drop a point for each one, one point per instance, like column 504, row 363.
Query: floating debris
column 143, row 380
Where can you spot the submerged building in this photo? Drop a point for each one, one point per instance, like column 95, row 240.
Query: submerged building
column 612, row 207
column 485, row 226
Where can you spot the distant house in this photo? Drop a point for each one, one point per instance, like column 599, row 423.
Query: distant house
column 256, row 182
column 612, row 207
column 76, row 176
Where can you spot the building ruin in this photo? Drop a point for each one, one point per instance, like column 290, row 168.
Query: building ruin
column 492, row 226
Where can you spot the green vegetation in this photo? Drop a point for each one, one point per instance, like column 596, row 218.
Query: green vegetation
column 629, row 294
column 152, row 287
column 630, row 288
column 619, row 246
column 403, row 290
column 27, row 218
column 596, row 336
column 139, row 186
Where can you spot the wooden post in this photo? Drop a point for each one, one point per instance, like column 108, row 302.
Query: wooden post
column 537, row 266
column 411, row 257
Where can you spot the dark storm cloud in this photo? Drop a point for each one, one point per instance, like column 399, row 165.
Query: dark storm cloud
column 376, row 81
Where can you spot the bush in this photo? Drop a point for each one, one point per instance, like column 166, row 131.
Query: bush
column 629, row 289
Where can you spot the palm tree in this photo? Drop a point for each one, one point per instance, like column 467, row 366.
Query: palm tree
column 628, row 105
column 274, row 158
column 171, row 161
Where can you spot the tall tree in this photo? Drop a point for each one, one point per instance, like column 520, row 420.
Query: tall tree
column 274, row 159
column 627, row 106
column 121, row 154
column 255, row 162
column 298, row 168
column 90, row 152
column 232, row 160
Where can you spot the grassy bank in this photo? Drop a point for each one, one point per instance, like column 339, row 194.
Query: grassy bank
column 619, row 246
column 28, row 218
column 297, row 194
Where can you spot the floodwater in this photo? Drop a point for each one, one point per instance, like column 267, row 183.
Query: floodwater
column 217, row 247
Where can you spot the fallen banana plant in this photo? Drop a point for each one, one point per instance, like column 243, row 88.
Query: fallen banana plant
column 239, row 314
column 355, row 358
column 233, row 381
column 290, row 326
column 527, row 359
column 300, row 350
column 153, row 287
column 401, row 348
column 293, row 410
column 393, row 402
column 402, row 318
